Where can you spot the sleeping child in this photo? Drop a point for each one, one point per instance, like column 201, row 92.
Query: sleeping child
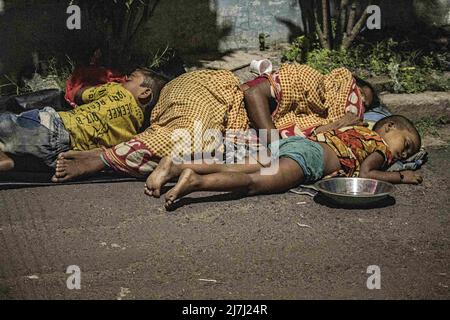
column 351, row 151
column 109, row 114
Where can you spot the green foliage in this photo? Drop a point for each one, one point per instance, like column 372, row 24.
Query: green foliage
column 53, row 76
column 430, row 125
column 60, row 72
column 297, row 51
column 381, row 56
column 9, row 86
column 409, row 71
column 326, row 60
column 158, row 59
column 55, row 73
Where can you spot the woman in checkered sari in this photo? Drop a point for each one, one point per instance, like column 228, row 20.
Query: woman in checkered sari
column 304, row 100
column 188, row 106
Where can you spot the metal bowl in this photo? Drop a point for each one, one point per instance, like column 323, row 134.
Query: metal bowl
column 354, row 191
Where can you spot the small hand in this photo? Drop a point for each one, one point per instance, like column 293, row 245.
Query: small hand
column 410, row 177
column 351, row 119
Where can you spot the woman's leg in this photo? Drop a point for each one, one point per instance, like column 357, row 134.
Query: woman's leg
column 288, row 176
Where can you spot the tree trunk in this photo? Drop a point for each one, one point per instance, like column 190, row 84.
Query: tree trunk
column 322, row 39
column 326, row 24
column 340, row 23
column 346, row 43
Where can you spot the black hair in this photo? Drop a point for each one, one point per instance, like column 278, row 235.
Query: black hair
column 171, row 66
column 155, row 82
column 157, row 77
column 152, row 79
column 400, row 122
column 376, row 99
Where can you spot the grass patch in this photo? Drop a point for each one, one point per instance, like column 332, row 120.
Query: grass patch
column 430, row 125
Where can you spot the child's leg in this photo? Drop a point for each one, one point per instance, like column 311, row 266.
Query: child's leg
column 288, row 176
column 38, row 133
column 167, row 170
column 6, row 163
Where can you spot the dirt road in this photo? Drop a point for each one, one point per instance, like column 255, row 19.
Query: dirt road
column 128, row 247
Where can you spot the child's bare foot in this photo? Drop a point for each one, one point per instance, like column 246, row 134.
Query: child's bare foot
column 186, row 184
column 6, row 163
column 75, row 164
column 164, row 172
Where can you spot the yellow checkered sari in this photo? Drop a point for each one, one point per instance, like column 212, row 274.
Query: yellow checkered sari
column 309, row 98
column 212, row 98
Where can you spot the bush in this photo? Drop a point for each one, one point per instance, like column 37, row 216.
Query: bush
column 409, row 71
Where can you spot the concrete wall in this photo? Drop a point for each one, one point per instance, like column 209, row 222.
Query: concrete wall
column 249, row 18
column 205, row 25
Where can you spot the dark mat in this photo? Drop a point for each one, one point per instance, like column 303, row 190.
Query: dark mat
column 34, row 100
column 27, row 179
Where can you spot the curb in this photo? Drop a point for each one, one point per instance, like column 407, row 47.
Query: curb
column 419, row 105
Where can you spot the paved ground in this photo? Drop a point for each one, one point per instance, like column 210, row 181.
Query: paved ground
column 128, row 247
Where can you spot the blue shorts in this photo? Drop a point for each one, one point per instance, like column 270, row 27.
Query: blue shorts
column 308, row 154
column 39, row 133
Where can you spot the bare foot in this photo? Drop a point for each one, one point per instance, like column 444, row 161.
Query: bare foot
column 6, row 163
column 75, row 164
column 164, row 172
column 186, row 184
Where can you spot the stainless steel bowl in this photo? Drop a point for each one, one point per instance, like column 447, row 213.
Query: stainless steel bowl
column 354, row 191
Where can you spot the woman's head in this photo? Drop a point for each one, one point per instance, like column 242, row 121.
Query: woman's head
column 369, row 95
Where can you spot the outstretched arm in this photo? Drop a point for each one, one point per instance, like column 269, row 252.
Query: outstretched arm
column 257, row 106
column 349, row 119
column 370, row 168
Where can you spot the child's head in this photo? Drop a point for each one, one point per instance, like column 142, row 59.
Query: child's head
column 144, row 85
column 400, row 135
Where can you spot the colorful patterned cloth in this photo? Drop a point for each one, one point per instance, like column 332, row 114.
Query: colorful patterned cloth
column 131, row 157
column 307, row 99
column 352, row 145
